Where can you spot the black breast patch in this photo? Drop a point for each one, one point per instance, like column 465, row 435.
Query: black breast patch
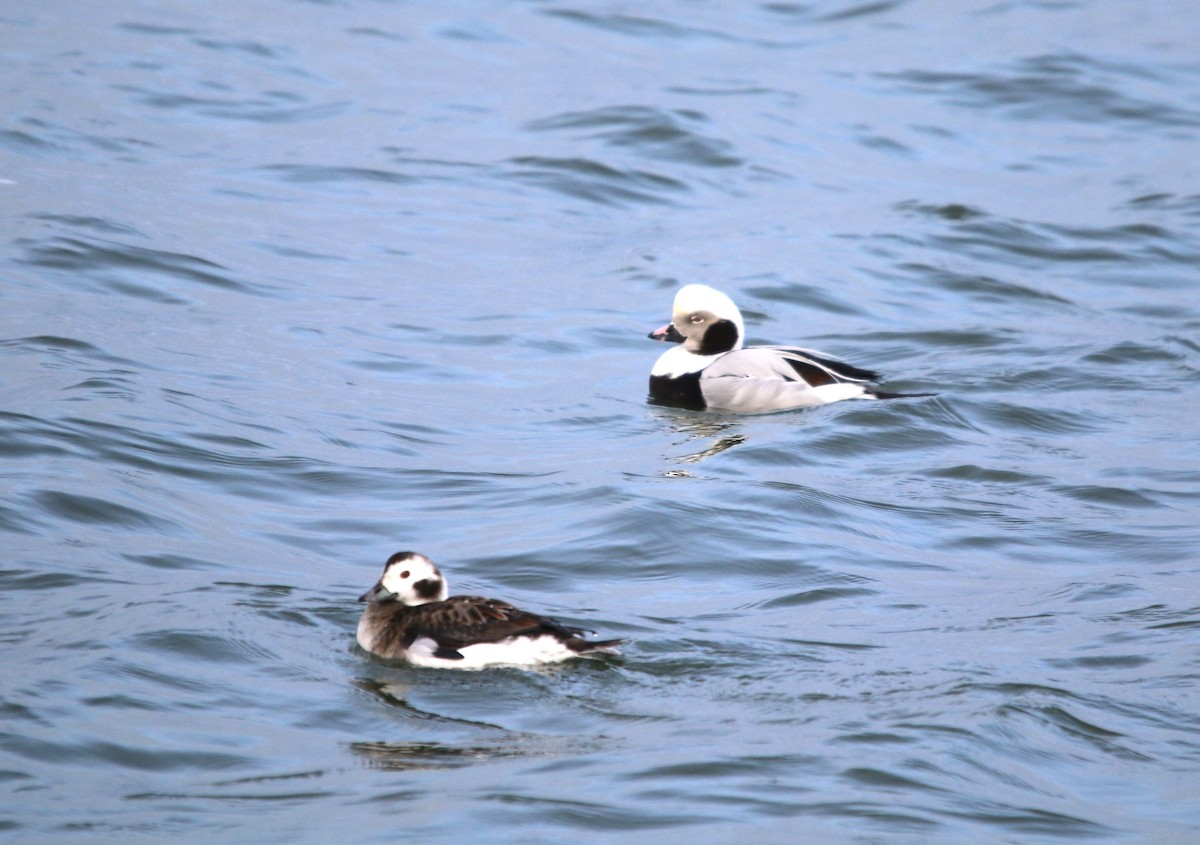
column 678, row 391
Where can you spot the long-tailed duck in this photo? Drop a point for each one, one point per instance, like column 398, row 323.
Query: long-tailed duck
column 408, row 617
column 712, row 371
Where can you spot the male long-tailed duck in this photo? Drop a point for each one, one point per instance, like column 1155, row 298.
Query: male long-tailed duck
column 712, row 371
column 408, row 617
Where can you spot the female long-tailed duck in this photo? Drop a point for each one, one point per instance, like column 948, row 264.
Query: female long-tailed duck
column 408, row 617
column 712, row 371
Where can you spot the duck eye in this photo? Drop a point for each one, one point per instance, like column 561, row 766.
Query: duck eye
column 404, row 575
column 695, row 318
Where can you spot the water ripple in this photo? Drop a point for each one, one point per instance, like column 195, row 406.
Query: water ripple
column 654, row 133
column 286, row 293
column 595, row 182
column 1062, row 87
column 73, row 507
column 317, row 174
column 124, row 268
column 638, row 26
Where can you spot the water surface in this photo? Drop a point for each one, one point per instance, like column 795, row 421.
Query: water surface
column 291, row 286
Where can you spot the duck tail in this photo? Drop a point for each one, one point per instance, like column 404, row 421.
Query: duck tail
column 584, row 648
column 883, row 394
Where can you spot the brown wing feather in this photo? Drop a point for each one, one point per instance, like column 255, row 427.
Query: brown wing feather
column 819, row 369
column 461, row 620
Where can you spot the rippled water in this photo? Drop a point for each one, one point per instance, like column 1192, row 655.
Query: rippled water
column 291, row 286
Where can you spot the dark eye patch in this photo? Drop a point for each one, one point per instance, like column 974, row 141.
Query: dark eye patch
column 428, row 588
column 721, row 336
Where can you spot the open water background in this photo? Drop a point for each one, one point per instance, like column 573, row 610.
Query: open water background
column 288, row 286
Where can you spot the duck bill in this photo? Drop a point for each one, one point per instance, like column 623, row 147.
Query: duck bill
column 667, row 334
column 377, row 593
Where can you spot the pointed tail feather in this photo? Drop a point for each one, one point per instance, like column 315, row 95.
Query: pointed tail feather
column 590, row 649
column 883, row 394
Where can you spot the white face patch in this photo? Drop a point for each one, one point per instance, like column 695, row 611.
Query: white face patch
column 696, row 299
column 697, row 307
column 401, row 576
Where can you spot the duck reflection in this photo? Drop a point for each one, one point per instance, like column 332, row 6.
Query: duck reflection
column 725, row 434
column 486, row 742
column 414, row 756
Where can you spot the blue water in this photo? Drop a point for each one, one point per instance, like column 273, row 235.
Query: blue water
column 291, row 286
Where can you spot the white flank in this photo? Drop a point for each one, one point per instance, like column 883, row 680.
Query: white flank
column 363, row 635
column 838, row 392
column 515, row 651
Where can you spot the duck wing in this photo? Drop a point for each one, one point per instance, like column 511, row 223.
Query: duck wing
column 790, row 363
column 761, row 379
column 460, row 621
